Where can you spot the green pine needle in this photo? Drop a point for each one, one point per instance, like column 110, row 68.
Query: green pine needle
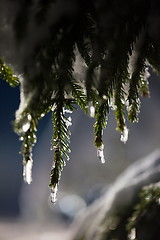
column 6, row 74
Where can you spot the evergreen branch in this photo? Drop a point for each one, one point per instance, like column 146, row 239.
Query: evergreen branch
column 6, row 74
column 120, row 107
column 145, row 212
column 63, row 68
column 144, row 84
column 60, row 142
column 85, row 36
column 29, row 140
column 79, row 96
column 107, row 76
column 26, row 128
column 137, row 83
column 119, row 77
column 100, row 124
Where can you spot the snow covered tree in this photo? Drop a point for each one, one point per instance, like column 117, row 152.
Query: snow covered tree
column 94, row 54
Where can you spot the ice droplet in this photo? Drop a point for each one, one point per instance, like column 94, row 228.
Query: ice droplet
column 91, row 109
column 42, row 115
column 29, row 117
column 26, row 126
column 27, row 171
column 124, row 135
column 27, row 123
column 100, row 154
column 53, row 195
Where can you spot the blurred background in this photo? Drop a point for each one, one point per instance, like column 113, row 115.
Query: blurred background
column 25, row 210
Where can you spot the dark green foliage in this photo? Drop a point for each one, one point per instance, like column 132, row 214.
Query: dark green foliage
column 115, row 44
column 100, row 124
column 6, row 74
column 61, row 138
column 145, row 218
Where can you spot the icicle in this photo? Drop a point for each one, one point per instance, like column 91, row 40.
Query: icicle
column 100, row 154
column 91, row 109
column 53, row 195
column 27, row 171
column 124, row 135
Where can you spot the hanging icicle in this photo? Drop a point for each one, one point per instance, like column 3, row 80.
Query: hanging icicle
column 27, row 171
column 53, row 194
column 100, row 154
column 124, row 135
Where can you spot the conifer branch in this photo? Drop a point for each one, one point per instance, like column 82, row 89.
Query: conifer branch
column 26, row 128
column 116, row 44
column 101, row 122
column 79, row 96
column 6, row 74
column 137, row 83
column 60, row 140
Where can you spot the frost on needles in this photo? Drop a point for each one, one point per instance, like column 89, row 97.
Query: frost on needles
column 92, row 54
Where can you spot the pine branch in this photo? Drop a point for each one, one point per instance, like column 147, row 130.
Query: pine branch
column 6, row 74
column 137, row 83
column 107, row 35
column 100, row 124
column 145, row 213
column 26, row 128
column 79, row 96
column 60, row 142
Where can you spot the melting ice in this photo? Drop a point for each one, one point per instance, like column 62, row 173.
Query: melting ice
column 124, row 135
column 27, row 171
column 26, row 126
column 100, row 153
column 54, row 194
column 27, row 123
